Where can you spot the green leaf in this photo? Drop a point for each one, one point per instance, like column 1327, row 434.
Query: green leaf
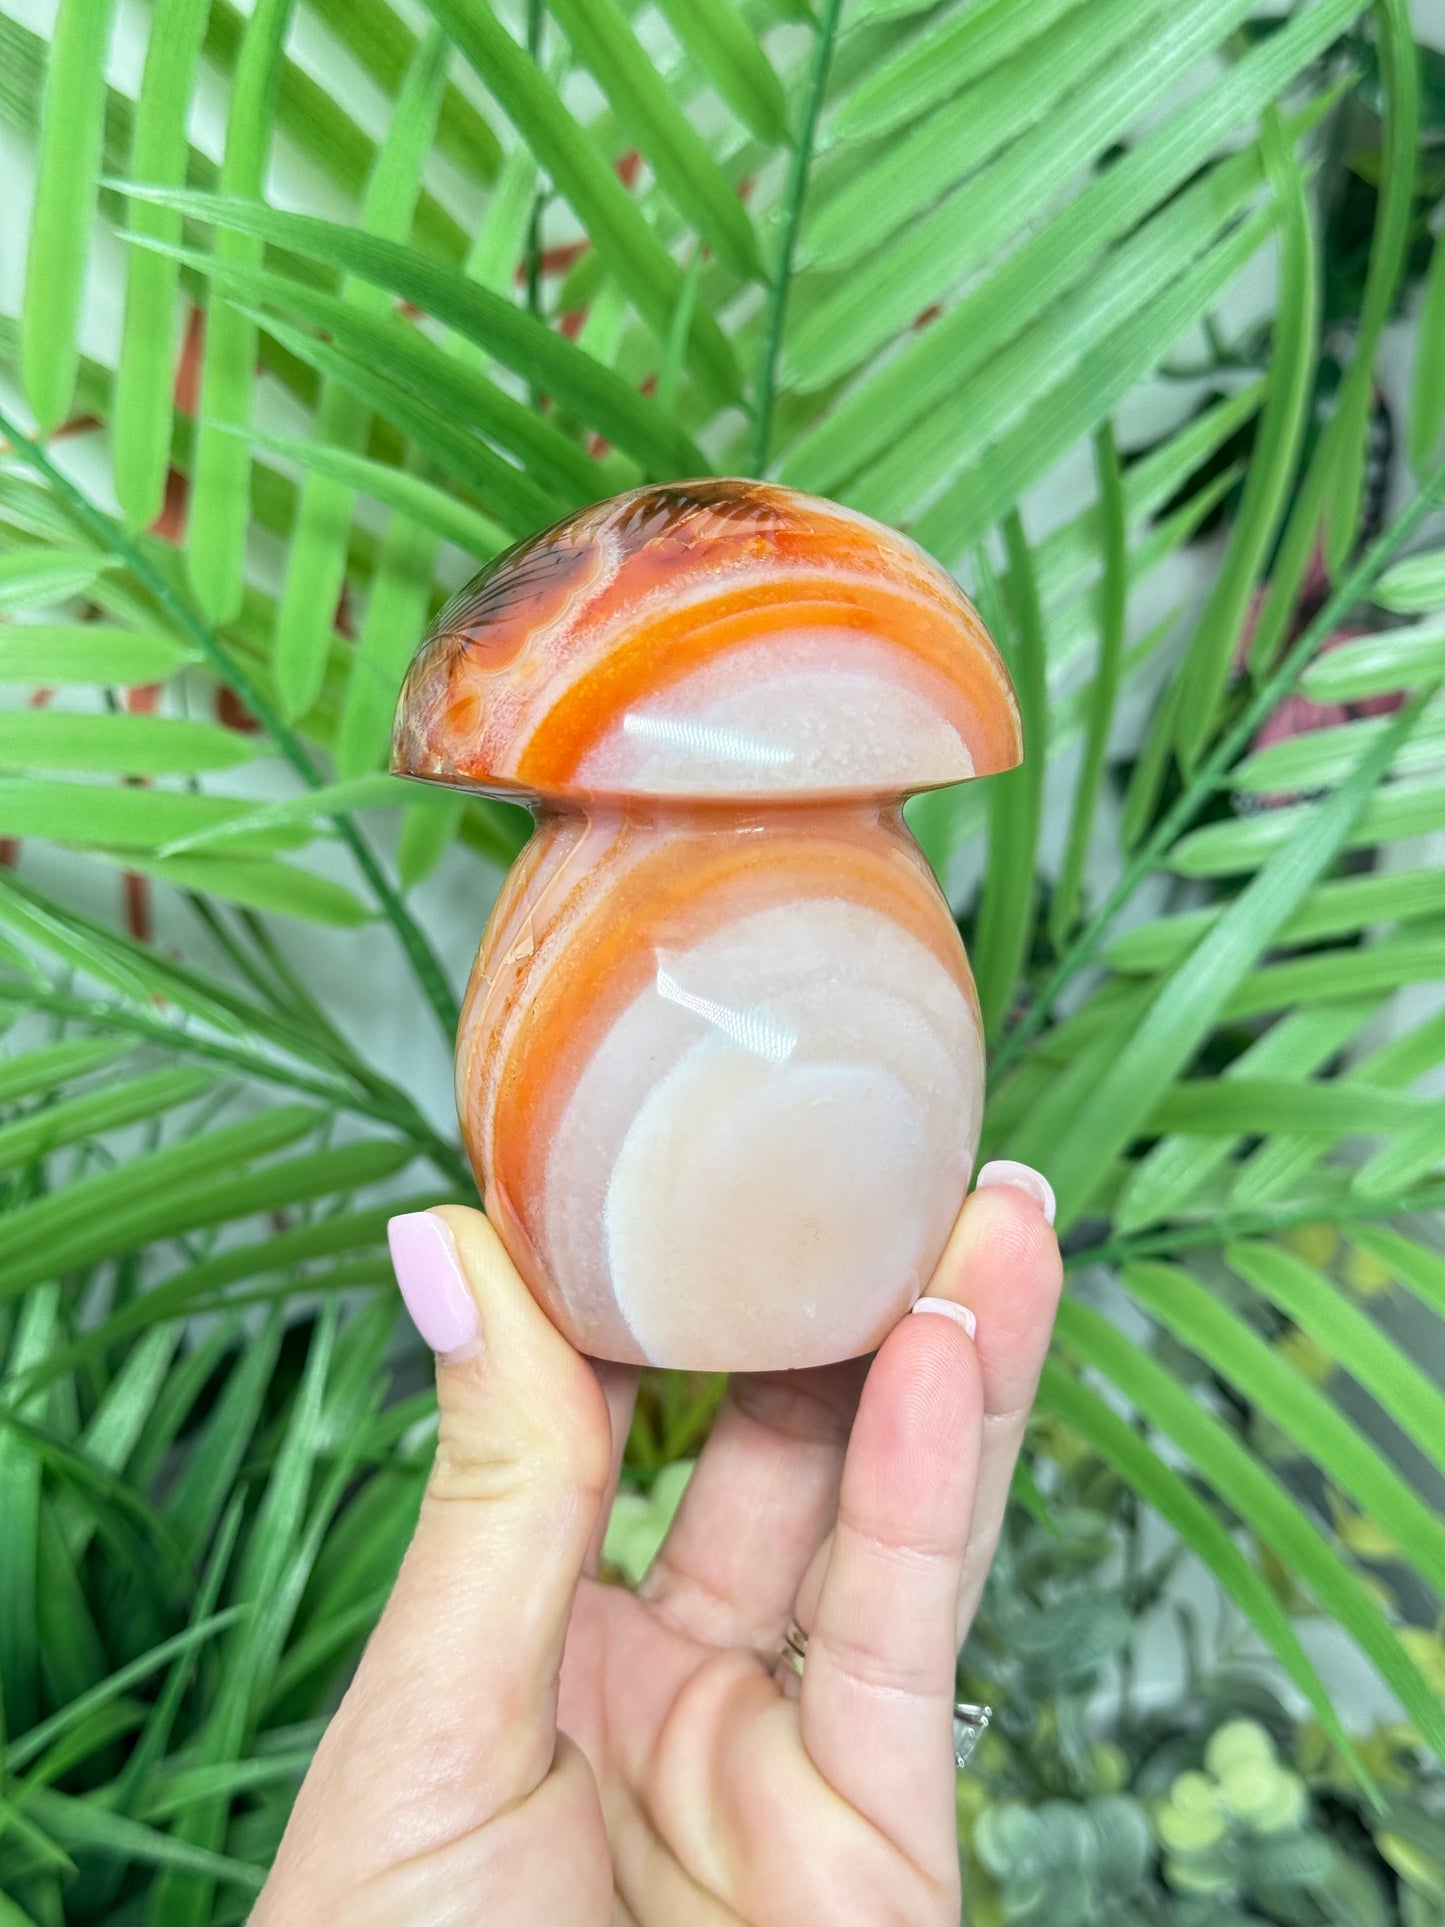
column 184, row 1787
column 1261, row 1501
column 502, row 236
column 48, row 1068
column 790, row 213
column 1377, row 665
column 142, row 422
column 64, row 207
column 928, row 368
column 1333, row 974
column 1419, row 1270
column 558, row 367
column 1247, row 1104
column 669, row 379
column 31, row 578
column 1192, row 998
column 34, row 1335
column 50, row 653
column 1172, row 1171
column 118, row 745
column 356, row 793
column 316, row 566
column 385, row 48
column 506, row 492
column 175, row 1296
column 1225, row 848
column 1414, row 585
column 1104, row 689
column 1015, row 799
column 1427, row 389
column 122, row 818
column 1399, row 71
column 726, row 48
column 193, row 1371
column 944, row 820
column 1305, row 1415
column 1323, row 757
column 29, row 1745
column 120, row 1417
column 146, row 979
column 72, row 1656
column 397, row 606
column 1397, row 1165
column 92, row 1736
column 206, row 1199
column 1067, row 559
column 77, row 1217
column 1294, row 346
column 605, row 44
column 220, row 476
column 395, row 622
column 942, row 60
column 1180, row 1506
column 1082, row 328
column 559, row 473
column 433, row 509
column 611, row 218
column 426, row 836
column 196, row 1501
column 930, row 157
column 316, row 120
column 87, row 1827
column 1351, row 1338
column 943, row 247
column 151, row 1747
column 251, row 1651
column 346, row 1631
column 1086, row 396
column 72, row 1119
column 11, row 1912
column 1333, row 909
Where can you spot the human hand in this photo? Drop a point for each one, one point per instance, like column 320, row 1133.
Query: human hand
column 525, row 1746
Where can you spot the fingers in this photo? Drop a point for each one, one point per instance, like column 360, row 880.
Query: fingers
column 1003, row 1262
column 877, row 1688
column 760, row 1501
column 451, row 1715
column 749, row 1538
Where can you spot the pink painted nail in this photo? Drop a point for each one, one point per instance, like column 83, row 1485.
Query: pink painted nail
column 429, row 1272
column 945, row 1307
column 1023, row 1178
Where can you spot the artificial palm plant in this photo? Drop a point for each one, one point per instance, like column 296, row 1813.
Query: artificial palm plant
column 484, row 268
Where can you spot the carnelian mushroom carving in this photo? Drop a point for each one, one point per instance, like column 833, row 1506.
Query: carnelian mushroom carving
column 720, row 1068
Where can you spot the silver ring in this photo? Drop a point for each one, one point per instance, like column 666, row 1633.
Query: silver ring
column 969, row 1721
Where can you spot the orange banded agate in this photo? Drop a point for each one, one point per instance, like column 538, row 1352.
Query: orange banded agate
column 720, row 1066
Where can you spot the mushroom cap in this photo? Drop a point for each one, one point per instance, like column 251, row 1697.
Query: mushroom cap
column 707, row 639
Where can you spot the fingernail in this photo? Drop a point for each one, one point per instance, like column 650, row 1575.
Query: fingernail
column 1022, row 1177
column 429, row 1272
column 945, row 1307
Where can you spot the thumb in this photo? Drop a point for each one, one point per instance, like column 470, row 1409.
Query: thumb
column 452, row 1714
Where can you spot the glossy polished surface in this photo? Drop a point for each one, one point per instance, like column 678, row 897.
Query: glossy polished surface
column 720, row 1066
column 708, row 639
